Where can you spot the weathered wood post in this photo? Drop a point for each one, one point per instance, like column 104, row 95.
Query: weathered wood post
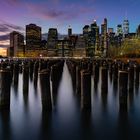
column 85, row 89
column 25, row 79
column 104, row 80
column 45, row 89
column 5, row 84
column 123, row 87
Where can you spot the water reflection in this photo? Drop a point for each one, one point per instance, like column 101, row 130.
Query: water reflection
column 27, row 120
column 5, row 127
column 46, row 126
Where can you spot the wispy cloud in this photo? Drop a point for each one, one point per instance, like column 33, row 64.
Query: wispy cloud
column 59, row 12
column 8, row 27
column 13, row 2
column 5, row 29
column 4, row 37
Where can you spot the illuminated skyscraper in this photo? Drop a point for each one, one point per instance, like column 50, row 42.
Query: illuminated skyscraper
column 125, row 27
column 16, row 43
column 33, row 37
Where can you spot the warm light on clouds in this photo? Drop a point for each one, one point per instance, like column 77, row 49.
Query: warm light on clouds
column 3, row 51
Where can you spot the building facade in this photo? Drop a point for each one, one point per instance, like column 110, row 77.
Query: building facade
column 33, row 37
column 125, row 27
column 16, row 44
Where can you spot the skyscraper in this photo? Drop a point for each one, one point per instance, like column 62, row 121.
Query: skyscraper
column 138, row 31
column 119, row 29
column 125, row 27
column 86, row 29
column 16, row 43
column 110, row 30
column 52, row 38
column 33, row 37
column 104, row 38
column 69, row 31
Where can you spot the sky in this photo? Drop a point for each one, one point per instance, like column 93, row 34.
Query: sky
column 15, row 14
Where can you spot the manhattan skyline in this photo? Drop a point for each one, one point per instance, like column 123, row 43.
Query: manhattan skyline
column 15, row 14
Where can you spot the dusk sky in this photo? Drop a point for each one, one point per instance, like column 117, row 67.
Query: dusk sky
column 15, row 14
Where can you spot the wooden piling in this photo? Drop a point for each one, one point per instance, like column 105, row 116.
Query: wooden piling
column 45, row 89
column 5, row 84
column 85, row 90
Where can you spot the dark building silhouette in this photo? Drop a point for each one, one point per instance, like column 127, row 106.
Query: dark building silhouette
column 52, row 38
column 119, row 29
column 33, row 37
column 104, row 38
column 16, row 44
column 138, row 31
column 69, row 31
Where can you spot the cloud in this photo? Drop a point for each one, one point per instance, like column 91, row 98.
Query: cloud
column 4, row 46
column 58, row 12
column 8, row 27
column 5, row 29
column 4, row 37
column 14, row 2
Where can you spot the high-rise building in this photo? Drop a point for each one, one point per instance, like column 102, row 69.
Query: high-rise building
column 104, row 38
column 93, row 33
column 138, row 31
column 125, row 27
column 69, row 31
column 33, row 37
column 52, row 38
column 16, row 43
column 86, row 30
column 119, row 29
column 110, row 30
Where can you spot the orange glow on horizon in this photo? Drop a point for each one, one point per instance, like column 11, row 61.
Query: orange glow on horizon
column 3, row 51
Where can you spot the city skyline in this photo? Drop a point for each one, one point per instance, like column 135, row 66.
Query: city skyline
column 61, row 13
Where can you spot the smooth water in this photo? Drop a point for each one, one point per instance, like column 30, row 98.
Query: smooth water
column 27, row 121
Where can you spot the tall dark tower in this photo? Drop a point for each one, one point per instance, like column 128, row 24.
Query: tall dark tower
column 69, row 31
column 52, row 38
column 33, row 37
column 104, row 38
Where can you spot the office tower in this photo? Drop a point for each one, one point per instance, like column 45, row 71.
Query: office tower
column 104, row 38
column 92, row 39
column 119, row 29
column 125, row 27
column 80, row 47
column 138, row 31
column 33, row 37
column 86, row 30
column 105, row 26
column 93, row 33
column 52, row 38
column 69, row 31
column 16, row 43
column 97, row 36
column 110, row 30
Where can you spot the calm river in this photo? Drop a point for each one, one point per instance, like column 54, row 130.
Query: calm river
column 26, row 121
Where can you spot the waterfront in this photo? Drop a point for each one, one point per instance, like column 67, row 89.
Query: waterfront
column 105, row 121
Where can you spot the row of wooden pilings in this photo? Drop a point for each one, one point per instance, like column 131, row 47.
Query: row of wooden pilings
column 48, row 71
column 124, row 76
